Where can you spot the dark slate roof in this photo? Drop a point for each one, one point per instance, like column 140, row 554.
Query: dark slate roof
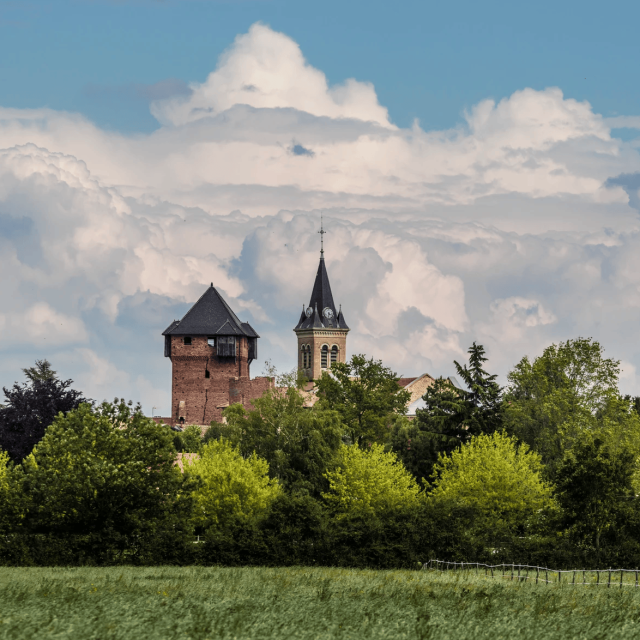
column 210, row 316
column 321, row 299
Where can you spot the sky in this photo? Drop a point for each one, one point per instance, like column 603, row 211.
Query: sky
column 477, row 165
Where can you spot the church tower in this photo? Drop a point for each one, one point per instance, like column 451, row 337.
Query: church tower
column 322, row 330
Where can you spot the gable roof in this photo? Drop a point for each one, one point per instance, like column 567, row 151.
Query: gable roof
column 210, row 316
column 321, row 299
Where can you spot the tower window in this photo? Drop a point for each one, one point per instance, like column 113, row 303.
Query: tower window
column 211, row 342
column 334, row 354
column 206, row 373
column 324, row 356
column 307, row 357
column 187, row 340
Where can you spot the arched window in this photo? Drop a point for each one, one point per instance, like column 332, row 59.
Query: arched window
column 324, row 356
column 334, row 354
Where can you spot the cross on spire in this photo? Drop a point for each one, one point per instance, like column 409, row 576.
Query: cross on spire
column 321, row 232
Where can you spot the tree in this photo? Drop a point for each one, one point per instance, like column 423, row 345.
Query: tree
column 31, row 407
column 568, row 392
column 189, row 440
column 370, row 482
column 365, row 394
column 300, row 443
column 42, row 371
column 595, row 490
column 107, row 472
column 233, row 488
column 451, row 416
column 495, row 476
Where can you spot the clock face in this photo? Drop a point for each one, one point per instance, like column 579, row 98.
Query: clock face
column 309, row 311
column 327, row 313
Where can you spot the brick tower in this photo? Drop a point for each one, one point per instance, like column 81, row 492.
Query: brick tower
column 322, row 330
column 210, row 351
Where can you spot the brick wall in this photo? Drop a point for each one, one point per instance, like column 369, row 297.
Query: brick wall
column 200, row 399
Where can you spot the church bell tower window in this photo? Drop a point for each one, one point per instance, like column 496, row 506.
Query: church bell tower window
column 324, row 356
column 334, row 354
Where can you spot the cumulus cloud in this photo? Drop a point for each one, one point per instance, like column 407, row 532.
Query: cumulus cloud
column 517, row 228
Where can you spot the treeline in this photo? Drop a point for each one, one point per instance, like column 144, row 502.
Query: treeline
column 543, row 471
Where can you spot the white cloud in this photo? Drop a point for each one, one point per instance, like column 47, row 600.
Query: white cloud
column 266, row 69
column 513, row 229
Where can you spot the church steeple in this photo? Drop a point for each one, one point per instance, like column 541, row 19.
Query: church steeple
column 322, row 329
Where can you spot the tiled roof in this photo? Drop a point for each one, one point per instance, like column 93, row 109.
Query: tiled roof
column 321, row 299
column 210, row 316
column 403, row 382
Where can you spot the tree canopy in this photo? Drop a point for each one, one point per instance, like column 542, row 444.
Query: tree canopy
column 300, row 443
column 451, row 415
column 365, row 394
column 491, row 473
column 107, row 471
column 571, row 390
column 32, row 406
column 370, row 481
column 232, row 488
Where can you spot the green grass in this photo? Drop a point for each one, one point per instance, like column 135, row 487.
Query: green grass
column 165, row 603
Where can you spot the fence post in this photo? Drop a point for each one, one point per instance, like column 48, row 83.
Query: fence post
column 573, row 581
column 512, row 571
column 491, row 571
column 609, row 582
column 636, row 577
column 537, row 574
column 597, row 577
column 584, row 577
column 546, row 575
column 621, row 574
column 518, row 573
column 559, row 578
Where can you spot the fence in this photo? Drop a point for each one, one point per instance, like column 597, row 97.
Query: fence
column 529, row 573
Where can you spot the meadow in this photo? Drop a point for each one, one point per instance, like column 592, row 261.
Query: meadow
column 198, row 603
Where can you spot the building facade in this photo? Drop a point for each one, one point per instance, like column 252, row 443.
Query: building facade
column 322, row 330
column 211, row 352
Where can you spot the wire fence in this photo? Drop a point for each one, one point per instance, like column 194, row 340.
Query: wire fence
column 544, row 575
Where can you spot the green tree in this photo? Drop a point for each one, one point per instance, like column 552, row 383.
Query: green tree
column 107, row 472
column 451, row 416
column 370, row 482
column 366, row 395
column 189, row 440
column 42, row 371
column 568, row 392
column 499, row 479
column 233, row 487
column 595, row 490
column 299, row 442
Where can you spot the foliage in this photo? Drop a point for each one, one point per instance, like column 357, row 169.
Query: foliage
column 31, row 407
column 298, row 442
column 370, row 482
column 365, row 394
column 451, row 415
column 566, row 393
column 107, row 472
column 189, row 440
column 595, row 489
column 10, row 499
column 495, row 476
column 42, row 371
column 232, row 487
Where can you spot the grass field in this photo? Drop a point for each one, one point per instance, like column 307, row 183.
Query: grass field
column 166, row 603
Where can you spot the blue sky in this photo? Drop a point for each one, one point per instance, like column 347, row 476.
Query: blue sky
column 427, row 60
column 478, row 166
